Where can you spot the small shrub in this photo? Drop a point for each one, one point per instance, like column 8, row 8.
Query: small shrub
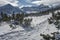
column 11, row 26
column 50, row 21
column 46, row 37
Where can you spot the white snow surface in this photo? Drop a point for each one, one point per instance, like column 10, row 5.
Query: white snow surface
column 39, row 25
column 5, row 28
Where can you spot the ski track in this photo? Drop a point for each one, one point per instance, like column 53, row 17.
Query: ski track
column 25, row 37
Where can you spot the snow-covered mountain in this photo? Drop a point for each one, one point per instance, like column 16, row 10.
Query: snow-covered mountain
column 56, row 6
column 40, row 8
column 10, row 9
column 32, row 9
column 35, row 9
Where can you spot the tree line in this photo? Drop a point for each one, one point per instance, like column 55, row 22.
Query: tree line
column 17, row 18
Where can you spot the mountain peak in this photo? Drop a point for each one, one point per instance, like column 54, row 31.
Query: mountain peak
column 8, row 5
column 8, row 8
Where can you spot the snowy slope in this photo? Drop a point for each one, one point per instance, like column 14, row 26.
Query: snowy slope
column 5, row 28
column 39, row 24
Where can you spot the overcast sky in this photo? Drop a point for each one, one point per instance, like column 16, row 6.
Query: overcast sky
column 27, row 2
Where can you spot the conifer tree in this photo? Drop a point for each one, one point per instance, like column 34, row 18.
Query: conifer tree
column 21, row 18
column 5, row 17
column 13, row 16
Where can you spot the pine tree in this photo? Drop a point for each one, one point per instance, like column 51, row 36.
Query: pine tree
column 27, row 22
column 5, row 17
column 13, row 16
column 17, row 17
column 21, row 18
column 1, row 14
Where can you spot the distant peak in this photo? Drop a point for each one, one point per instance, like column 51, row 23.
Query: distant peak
column 8, row 5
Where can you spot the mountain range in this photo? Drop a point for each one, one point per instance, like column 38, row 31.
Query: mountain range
column 8, row 8
column 35, row 9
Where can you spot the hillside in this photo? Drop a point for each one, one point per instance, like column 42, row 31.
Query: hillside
column 39, row 25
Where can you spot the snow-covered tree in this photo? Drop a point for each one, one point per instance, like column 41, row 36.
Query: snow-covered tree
column 27, row 22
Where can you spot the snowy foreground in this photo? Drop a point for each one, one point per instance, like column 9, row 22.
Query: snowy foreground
column 39, row 25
